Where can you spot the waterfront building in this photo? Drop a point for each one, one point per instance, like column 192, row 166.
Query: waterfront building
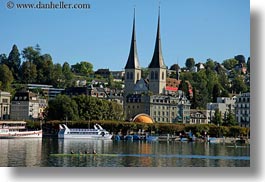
column 243, row 109
column 25, row 106
column 4, row 105
column 225, row 105
column 198, row 116
column 155, row 95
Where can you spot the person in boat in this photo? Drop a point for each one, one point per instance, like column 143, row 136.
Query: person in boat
column 72, row 152
column 94, row 151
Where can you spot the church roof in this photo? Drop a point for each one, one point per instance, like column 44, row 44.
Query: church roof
column 132, row 61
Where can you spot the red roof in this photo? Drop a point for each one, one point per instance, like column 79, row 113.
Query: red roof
column 171, row 88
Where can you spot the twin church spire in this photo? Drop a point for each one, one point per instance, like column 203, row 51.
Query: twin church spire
column 157, row 68
column 157, row 60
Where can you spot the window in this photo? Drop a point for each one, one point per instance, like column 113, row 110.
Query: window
column 138, row 76
column 128, row 76
column 5, row 100
column 131, row 75
column 163, row 75
column 156, row 75
column 152, row 75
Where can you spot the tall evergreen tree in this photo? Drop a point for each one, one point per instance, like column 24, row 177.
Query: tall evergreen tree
column 6, row 78
column 67, row 75
column 28, row 72
column 217, row 118
column 184, row 86
column 14, row 61
column 216, row 92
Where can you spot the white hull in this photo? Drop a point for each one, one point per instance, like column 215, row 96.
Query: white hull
column 98, row 133
column 89, row 137
column 22, row 134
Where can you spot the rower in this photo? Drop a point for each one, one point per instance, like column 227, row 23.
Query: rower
column 94, row 152
column 72, row 152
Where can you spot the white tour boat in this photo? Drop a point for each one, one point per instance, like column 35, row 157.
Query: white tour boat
column 94, row 133
column 17, row 129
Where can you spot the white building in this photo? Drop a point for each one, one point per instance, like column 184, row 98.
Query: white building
column 243, row 109
column 4, row 105
column 223, row 104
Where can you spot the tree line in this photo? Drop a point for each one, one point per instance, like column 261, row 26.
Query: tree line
column 82, row 107
column 31, row 66
column 215, row 80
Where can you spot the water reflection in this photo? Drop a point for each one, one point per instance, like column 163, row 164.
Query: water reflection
column 28, row 152
column 20, row 152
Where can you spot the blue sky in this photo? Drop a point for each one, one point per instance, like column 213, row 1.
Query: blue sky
column 202, row 29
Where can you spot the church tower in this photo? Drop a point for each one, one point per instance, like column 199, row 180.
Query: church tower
column 157, row 68
column 132, row 68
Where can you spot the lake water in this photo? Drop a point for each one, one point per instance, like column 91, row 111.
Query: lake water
column 44, row 153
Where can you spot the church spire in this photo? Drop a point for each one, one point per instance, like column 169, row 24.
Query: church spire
column 157, row 60
column 132, row 62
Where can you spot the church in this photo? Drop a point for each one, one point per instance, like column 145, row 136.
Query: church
column 153, row 96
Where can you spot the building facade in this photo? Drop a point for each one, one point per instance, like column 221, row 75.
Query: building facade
column 198, row 117
column 25, row 106
column 48, row 90
column 243, row 109
column 4, row 105
column 225, row 105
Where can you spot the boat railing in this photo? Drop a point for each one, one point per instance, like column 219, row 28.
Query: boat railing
column 81, row 129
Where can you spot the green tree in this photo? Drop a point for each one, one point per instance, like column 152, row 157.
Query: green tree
column 210, row 65
column 216, row 92
column 62, row 108
column 217, row 120
column 212, row 79
column 230, row 119
column 67, row 74
column 241, row 59
column 190, row 63
column 44, row 66
column 6, row 78
column 28, row 72
column 30, row 53
column 238, row 85
column 83, row 68
column 184, row 86
column 174, row 67
column 199, row 82
column 229, row 63
column 57, row 76
column 223, row 83
column 13, row 61
column 248, row 64
column 3, row 59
